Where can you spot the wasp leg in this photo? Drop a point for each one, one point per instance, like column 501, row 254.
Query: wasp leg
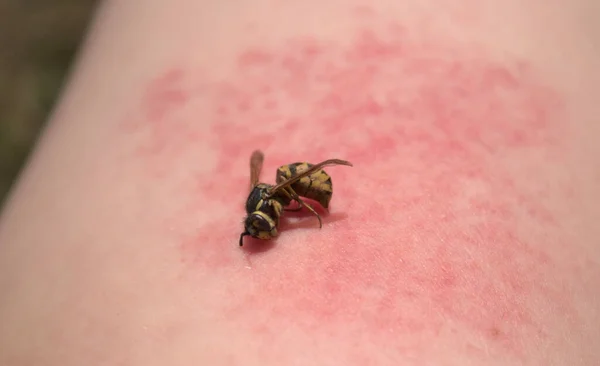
column 297, row 198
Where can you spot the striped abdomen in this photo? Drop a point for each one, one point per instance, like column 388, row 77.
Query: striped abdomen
column 316, row 186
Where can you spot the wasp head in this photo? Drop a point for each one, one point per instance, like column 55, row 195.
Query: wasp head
column 259, row 225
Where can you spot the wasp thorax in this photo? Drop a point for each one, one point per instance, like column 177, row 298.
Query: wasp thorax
column 256, row 197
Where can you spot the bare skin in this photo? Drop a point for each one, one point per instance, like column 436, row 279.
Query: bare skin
column 465, row 232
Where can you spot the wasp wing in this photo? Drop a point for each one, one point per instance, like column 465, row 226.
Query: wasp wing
column 256, row 162
column 308, row 172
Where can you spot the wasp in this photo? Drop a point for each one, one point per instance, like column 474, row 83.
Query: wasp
column 266, row 202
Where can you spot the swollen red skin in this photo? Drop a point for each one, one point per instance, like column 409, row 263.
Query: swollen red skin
column 425, row 233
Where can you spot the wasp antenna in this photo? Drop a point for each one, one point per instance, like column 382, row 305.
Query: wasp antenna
column 242, row 237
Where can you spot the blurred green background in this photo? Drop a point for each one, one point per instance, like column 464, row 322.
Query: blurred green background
column 38, row 40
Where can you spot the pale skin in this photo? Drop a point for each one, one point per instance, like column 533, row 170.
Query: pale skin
column 464, row 233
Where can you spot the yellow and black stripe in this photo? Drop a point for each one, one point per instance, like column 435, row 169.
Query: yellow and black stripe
column 317, row 186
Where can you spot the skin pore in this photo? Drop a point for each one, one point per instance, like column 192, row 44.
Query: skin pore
column 464, row 233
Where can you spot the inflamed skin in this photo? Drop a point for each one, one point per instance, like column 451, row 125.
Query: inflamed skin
column 440, row 231
column 463, row 234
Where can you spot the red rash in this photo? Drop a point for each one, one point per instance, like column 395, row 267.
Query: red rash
column 425, row 230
